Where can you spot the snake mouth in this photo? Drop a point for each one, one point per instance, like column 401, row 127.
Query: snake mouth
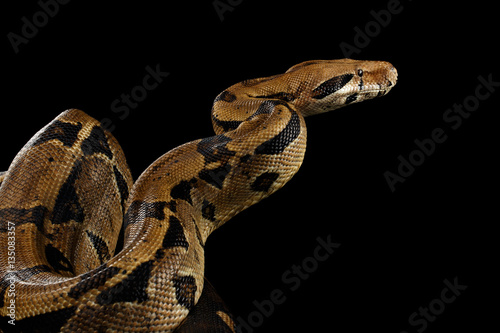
column 366, row 92
column 383, row 89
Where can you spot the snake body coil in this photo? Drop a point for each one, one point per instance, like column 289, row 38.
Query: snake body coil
column 67, row 193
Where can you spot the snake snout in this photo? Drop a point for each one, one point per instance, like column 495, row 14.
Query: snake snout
column 391, row 76
column 381, row 78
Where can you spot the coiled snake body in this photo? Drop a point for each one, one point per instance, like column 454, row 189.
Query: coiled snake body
column 65, row 195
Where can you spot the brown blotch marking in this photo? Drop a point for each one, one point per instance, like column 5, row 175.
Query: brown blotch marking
column 208, row 210
column 57, row 260
column 122, row 185
column 67, row 133
column 284, row 96
column 67, row 206
column 140, row 209
column 266, row 107
column 245, row 158
column 183, row 190
column 89, row 281
column 185, row 290
column 175, row 235
column 100, row 246
column 225, row 96
column 133, row 288
column 215, row 176
column 172, row 205
column 226, row 125
column 278, row 143
column 20, row 216
column 96, row 142
column 214, row 148
column 332, row 85
column 351, row 98
column 264, row 181
column 209, row 315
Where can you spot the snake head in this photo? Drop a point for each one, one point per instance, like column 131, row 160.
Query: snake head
column 325, row 85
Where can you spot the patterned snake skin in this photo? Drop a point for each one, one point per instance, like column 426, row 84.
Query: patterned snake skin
column 69, row 192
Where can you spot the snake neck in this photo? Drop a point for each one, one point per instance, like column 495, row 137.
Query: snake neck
column 204, row 183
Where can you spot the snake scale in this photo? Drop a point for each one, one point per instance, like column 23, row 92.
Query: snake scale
column 69, row 193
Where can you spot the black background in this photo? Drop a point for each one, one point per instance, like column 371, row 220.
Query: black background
column 397, row 247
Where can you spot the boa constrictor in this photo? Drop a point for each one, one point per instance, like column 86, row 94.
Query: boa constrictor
column 67, row 192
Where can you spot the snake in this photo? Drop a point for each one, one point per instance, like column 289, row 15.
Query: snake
column 84, row 248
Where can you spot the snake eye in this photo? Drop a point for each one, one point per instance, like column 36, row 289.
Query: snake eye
column 360, row 72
